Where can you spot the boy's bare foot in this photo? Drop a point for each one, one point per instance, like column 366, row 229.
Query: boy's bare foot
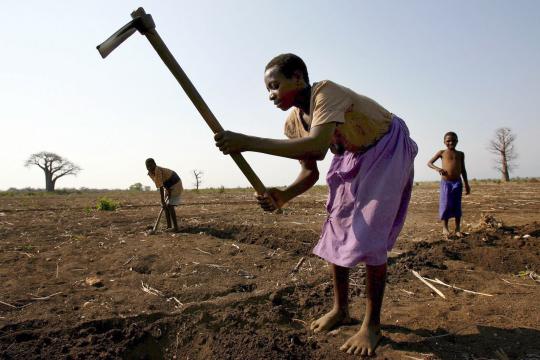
column 364, row 342
column 330, row 320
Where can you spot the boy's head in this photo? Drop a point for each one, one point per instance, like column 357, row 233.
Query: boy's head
column 150, row 165
column 450, row 140
column 285, row 76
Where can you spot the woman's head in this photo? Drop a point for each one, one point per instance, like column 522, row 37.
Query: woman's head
column 288, row 64
column 285, row 77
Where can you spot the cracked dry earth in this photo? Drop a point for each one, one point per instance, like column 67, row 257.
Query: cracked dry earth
column 78, row 283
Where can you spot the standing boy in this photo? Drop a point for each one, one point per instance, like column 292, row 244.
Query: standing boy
column 169, row 181
column 453, row 169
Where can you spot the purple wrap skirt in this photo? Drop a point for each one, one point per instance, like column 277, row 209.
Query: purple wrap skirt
column 369, row 193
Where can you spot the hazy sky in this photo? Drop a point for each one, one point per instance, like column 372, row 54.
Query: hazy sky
column 466, row 66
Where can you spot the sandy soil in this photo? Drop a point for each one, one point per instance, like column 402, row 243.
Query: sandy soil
column 222, row 288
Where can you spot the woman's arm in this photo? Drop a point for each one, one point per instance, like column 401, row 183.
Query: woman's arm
column 313, row 147
column 308, row 176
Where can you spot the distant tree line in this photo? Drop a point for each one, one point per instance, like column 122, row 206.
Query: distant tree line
column 55, row 166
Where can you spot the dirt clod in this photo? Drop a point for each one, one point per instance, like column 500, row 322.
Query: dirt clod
column 94, row 281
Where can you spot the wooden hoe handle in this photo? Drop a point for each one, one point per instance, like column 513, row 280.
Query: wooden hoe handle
column 197, row 100
column 154, row 228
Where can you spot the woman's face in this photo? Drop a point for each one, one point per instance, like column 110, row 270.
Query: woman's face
column 282, row 90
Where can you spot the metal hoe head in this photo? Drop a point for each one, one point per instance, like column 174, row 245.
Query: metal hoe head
column 141, row 22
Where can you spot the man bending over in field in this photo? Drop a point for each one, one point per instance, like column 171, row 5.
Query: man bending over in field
column 169, row 181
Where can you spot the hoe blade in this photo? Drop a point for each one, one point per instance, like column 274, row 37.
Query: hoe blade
column 116, row 39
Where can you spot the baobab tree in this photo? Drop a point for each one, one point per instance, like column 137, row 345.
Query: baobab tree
column 198, row 178
column 503, row 146
column 54, row 166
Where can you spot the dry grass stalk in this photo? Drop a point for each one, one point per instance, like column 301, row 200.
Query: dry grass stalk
column 437, row 281
column 178, row 302
column 150, row 290
column 128, row 260
column 204, row 252
column 44, row 297
column 34, row 298
column 11, row 306
column 424, row 357
column 437, row 291
column 516, row 283
column 217, row 266
column 297, row 267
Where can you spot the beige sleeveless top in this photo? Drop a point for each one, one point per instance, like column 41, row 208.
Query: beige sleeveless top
column 360, row 120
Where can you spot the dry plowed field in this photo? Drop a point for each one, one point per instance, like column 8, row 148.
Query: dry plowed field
column 78, row 283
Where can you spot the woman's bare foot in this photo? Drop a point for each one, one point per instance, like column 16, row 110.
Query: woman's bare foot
column 364, row 342
column 445, row 232
column 330, row 320
column 459, row 234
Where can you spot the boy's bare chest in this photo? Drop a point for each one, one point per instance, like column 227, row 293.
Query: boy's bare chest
column 451, row 156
